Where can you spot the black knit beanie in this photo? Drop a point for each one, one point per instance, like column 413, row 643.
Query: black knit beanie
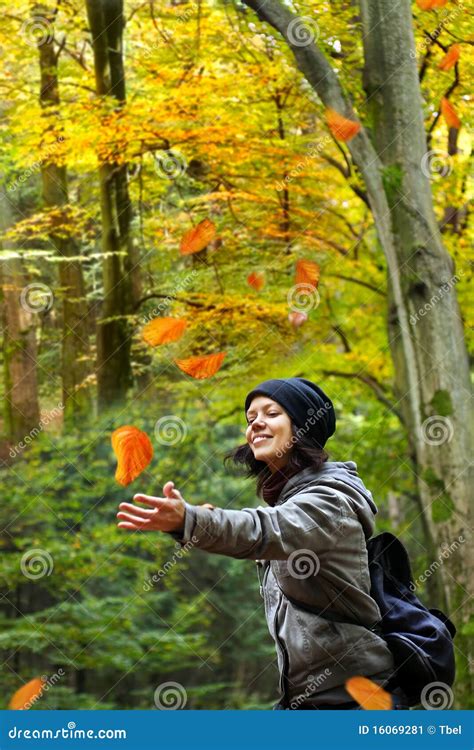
column 306, row 403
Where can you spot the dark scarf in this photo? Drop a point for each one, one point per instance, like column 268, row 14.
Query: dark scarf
column 273, row 486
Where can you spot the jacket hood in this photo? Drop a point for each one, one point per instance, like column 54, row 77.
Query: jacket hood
column 341, row 476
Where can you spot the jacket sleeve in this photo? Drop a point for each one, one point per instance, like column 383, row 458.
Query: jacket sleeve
column 309, row 520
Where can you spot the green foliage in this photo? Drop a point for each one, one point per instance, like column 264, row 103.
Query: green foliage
column 441, row 403
column 392, row 177
column 91, row 613
column 214, row 92
column 442, row 508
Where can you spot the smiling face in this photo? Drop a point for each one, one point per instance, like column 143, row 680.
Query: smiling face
column 269, row 433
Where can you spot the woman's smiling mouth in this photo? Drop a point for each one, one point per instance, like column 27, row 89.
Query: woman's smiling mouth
column 258, row 438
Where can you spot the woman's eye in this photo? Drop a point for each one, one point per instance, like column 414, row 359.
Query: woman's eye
column 270, row 414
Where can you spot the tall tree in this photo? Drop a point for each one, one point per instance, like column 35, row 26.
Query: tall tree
column 430, row 358
column 75, row 366
column 121, row 271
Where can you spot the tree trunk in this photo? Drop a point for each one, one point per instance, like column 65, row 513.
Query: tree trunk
column 21, row 406
column 428, row 349
column 427, row 341
column 120, row 262
column 76, row 364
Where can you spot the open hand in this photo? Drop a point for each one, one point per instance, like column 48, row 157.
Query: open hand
column 165, row 513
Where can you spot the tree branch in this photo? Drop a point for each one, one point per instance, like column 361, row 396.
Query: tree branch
column 372, row 383
column 356, row 281
column 311, row 61
column 155, row 295
column 345, row 171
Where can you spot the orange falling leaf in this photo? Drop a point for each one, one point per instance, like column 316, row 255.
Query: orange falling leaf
column 341, row 128
column 368, row 694
column 134, row 452
column 201, row 367
column 27, row 694
column 451, row 57
column 307, row 272
column 256, row 280
column 449, row 114
column 198, row 237
column 430, row 4
column 163, row 331
column 297, row 318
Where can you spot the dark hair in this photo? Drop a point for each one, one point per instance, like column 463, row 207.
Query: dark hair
column 303, row 453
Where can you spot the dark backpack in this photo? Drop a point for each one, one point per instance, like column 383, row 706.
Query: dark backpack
column 420, row 639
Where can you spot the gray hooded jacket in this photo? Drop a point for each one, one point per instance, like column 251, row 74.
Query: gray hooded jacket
column 311, row 549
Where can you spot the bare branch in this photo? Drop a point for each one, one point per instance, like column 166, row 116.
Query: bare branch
column 156, row 295
column 375, row 386
column 356, row 281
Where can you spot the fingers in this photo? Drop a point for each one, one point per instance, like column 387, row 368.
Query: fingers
column 137, row 520
column 168, row 489
column 135, row 509
column 154, row 502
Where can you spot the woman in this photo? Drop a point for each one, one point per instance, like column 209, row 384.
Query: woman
column 309, row 543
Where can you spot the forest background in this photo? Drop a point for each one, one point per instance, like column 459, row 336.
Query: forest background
column 197, row 196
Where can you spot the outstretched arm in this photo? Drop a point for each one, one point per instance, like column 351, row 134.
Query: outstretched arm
column 309, row 520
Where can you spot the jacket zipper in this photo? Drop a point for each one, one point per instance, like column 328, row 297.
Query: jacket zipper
column 266, row 565
column 280, row 645
column 286, row 660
